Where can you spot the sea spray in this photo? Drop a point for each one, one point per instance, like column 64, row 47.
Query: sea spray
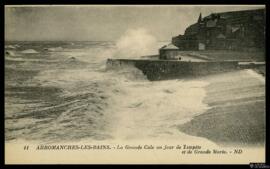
column 85, row 102
column 145, row 110
column 135, row 43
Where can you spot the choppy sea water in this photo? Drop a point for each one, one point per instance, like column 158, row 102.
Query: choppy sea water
column 62, row 91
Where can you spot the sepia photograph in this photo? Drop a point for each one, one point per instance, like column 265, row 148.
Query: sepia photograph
column 133, row 84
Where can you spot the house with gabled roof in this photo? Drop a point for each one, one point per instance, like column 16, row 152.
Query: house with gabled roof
column 237, row 30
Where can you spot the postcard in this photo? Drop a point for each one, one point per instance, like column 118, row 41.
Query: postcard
column 135, row 84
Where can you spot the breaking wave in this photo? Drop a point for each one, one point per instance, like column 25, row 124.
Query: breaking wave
column 135, row 43
column 29, row 51
column 77, row 98
column 54, row 49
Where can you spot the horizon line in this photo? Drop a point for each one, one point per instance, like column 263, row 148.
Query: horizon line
column 70, row 40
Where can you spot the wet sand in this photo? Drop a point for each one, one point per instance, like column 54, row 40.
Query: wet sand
column 237, row 110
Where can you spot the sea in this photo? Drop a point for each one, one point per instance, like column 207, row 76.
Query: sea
column 63, row 92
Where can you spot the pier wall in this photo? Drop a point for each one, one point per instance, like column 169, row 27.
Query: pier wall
column 168, row 69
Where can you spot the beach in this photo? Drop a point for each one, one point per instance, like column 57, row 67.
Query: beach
column 237, row 110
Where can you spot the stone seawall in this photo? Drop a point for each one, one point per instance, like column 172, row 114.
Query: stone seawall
column 168, row 69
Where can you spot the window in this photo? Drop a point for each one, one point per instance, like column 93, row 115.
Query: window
column 207, row 33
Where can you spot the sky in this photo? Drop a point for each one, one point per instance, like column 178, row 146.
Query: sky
column 103, row 22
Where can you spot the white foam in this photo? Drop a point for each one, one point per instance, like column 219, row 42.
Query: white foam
column 135, row 43
column 146, row 110
column 29, row 51
column 14, row 59
column 54, row 49
column 10, row 46
column 137, row 108
column 67, row 79
column 135, row 104
column 256, row 75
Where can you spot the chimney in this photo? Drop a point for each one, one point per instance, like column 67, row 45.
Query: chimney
column 200, row 18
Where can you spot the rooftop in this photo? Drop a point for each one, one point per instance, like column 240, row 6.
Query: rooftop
column 169, row 46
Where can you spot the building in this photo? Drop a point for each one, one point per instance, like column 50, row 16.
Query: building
column 169, row 52
column 237, row 30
